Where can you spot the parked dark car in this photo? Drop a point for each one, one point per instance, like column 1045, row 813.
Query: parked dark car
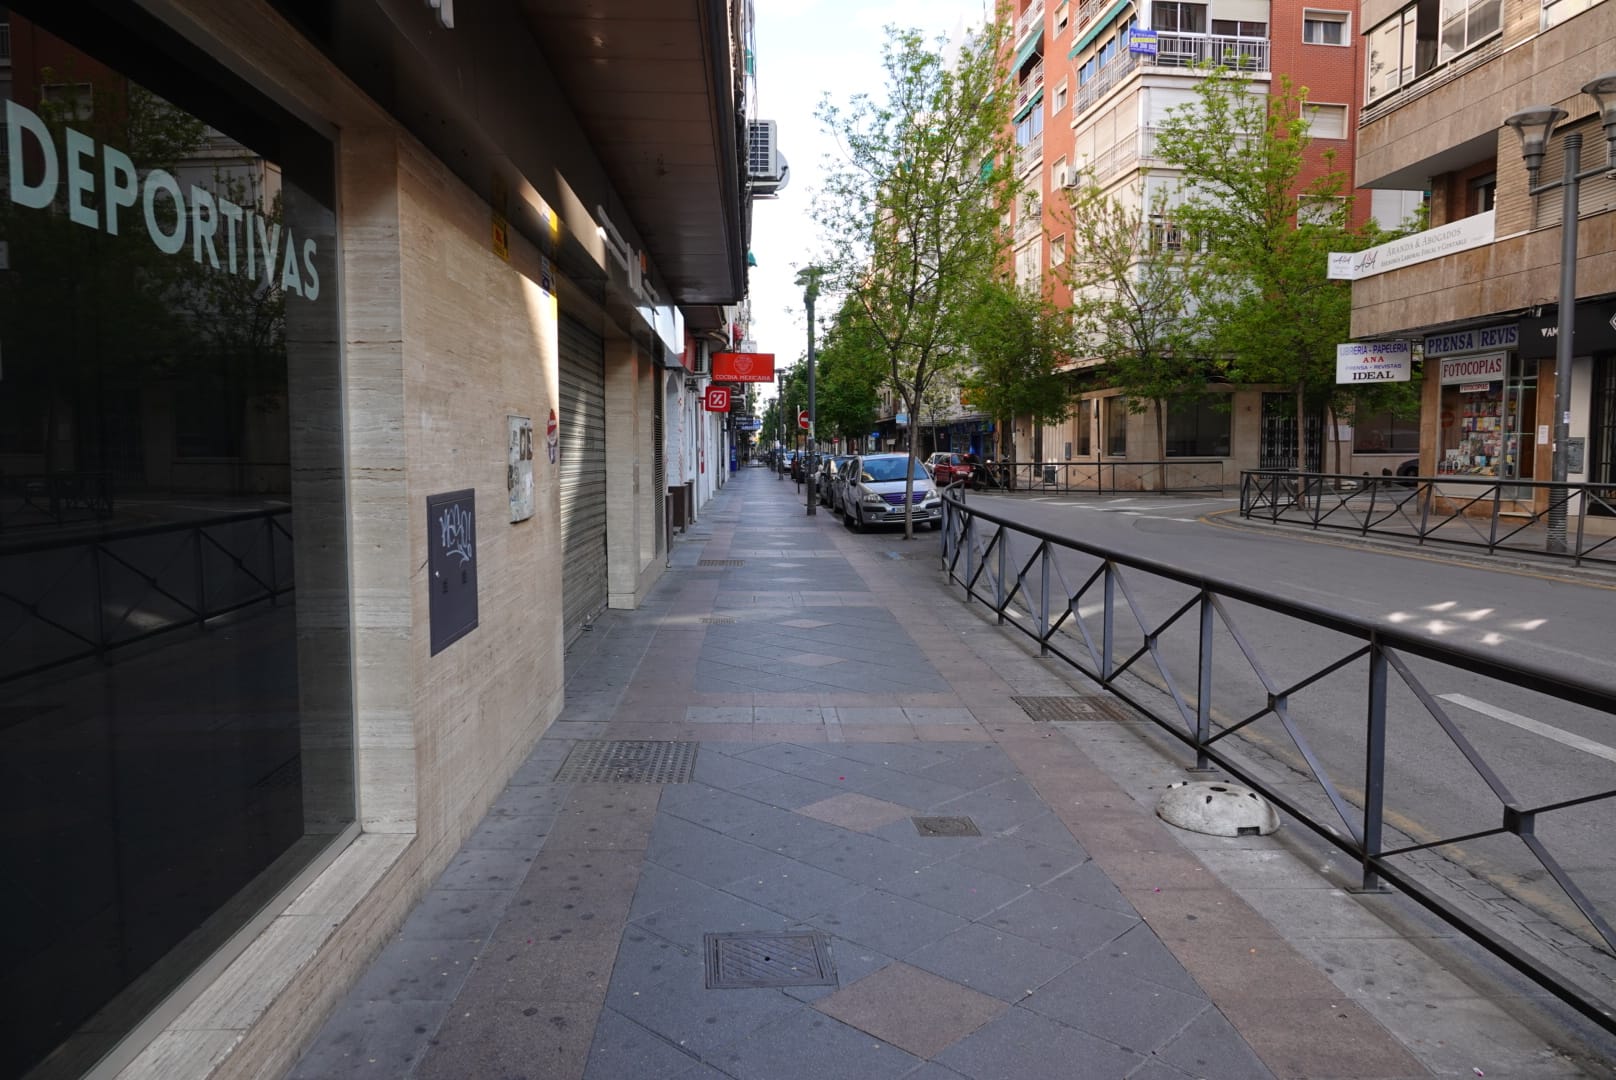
column 951, row 468
column 829, row 479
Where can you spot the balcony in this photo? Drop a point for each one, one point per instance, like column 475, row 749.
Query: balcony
column 1113, row 160
column 1176, row 49
column 1029, row 223
column 1102, row 83
column 1089, row 10
column 1030, row 20
column 1030, row 86
column 1030, row 155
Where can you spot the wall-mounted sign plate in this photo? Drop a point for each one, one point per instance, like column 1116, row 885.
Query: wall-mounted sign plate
column 451, row 544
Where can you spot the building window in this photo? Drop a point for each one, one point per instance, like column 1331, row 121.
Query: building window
column 1325, row 28
column 1063, row 15
column 1326, row 121
column 1239, row 28
column 1116, row 427
column 1031, row 126
column 1058, row 175
column 1178, row 17
column 1466, row 24
column 1398, row 51
column 1057, row 250
column 1084, row 423
column 1483, row 193
column 1385, row 433
column 1062, row 93
column 67, row 101
column 1198, row 428
column 1556, row 12
column 1321, row 210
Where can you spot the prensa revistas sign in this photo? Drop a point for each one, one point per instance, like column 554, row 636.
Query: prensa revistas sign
column 1373, row 361
column 220, row 234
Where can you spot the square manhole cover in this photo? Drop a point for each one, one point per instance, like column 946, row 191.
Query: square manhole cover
column 628, row 761
column 946, row 826
column 718, row 620
column 1080, row 707
column 746, row 960
column 721, row 562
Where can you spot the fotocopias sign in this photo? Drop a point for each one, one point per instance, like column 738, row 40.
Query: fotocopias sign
column 743, row 367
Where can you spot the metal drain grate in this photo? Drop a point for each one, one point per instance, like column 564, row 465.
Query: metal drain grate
column 721, row 562
column 718, row 620
column 946, row 826
column 628, row 761
column 742, row 961
column 1081, row 707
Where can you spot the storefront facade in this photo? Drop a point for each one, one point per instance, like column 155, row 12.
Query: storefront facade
column 328, row 411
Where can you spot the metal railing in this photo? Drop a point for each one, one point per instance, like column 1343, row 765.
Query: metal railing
column 1301, row 703
column 1030, row 154
column 63, row 600
column 1492, row 514
column 54, row 498
column 1031, row 18
column 1177, row 49
column 1101, row 477
column 1107, row 77
column 1030, row 85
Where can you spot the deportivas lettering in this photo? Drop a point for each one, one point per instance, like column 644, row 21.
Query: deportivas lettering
column 251, row 243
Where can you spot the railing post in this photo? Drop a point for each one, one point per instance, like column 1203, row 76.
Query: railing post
column 1203, row 688
column 1374, row 766
column 1492, row 531
column 1106, row 662
column 99, row 599
column 998, row 577
column 1043, row 600
column 274, row 584
column 970, row 555
column 1582, row 517
column 1427, row 494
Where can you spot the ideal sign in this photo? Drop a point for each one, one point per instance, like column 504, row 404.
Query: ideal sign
column 743, row 367
column 1373, row 361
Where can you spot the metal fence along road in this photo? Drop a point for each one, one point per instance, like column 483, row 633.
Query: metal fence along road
column 1103, row 477
column 1498, row 515
column 1379, row 741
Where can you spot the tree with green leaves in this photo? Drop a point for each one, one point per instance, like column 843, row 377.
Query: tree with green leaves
column 1133, row 285
column 1264, row 232
column 851, row 367
column 910, row 210
column 1017, row 339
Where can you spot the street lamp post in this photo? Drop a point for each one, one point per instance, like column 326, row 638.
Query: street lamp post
column 780, row 423
column 808, row 278
column 1534, row 126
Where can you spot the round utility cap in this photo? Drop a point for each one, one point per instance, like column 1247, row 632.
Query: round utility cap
column 1217, row 808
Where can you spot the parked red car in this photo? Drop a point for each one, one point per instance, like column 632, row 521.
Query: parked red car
column 947, row 468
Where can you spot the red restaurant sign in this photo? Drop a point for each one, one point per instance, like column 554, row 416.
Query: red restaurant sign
column 743, row 367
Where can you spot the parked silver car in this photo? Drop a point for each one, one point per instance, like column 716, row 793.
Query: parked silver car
column 872, row 491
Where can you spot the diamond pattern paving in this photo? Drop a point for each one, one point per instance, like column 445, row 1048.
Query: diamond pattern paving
column 912, row 1009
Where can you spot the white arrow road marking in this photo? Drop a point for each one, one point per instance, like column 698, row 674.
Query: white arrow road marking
column 1536, row 727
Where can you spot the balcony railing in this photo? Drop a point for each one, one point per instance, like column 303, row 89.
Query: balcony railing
column 1107, row 163
column 1030, row 155
column 1030, row 20
column 1102, row 83
column 1089, row 10
column 1029, row 224
column 1175, row 49
column 1030, row 85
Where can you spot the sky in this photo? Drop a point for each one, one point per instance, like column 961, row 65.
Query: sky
column 805, row 50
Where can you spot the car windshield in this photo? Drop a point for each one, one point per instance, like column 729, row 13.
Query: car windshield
column 881, row 470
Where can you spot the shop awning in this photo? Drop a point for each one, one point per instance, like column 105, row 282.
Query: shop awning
column 1102, row 23
column 1024, row 53
column 1027, row 108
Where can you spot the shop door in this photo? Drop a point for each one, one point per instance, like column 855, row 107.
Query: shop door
column 1520, row 430
column 1602, row 432
column 1277, row 448
column 582, row 476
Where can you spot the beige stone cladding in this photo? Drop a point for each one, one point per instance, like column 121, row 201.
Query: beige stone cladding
column 442, row 339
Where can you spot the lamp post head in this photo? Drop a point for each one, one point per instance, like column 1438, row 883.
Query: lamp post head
column 1603, row 91
column 1534, row 126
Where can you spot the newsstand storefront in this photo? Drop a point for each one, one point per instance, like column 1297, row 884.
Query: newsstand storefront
column 1485, row 403
column 176, row 739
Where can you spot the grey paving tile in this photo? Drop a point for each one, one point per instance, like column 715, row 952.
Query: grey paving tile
column 1090, row 885
column 716, row 859
column 1020, row 860
column 1059, row 923
column 372, row 1039
column 456, row 914
column 658, row 888
column 999, row 806
column 872, row 860
column 623, row 1050
column 912, row 1009
column 678, row 1007
column 1050, row 831
column 511, row 1038
column 956, row 888
column 1021, row 1044
column 851, row 960
column 418, row 970
column 809, row 1046
column 917, row 758
column 1140, row 1016
column 1210, row 1046
column 1139, row 953
column 788, row 757
column 511, row 832
column 1155, row 1069
column 488, row 868
column 890, row 924
column 799, row 892
column 977, row 767
column 721, row 811
column 720, row 913
column 786, row 833
column 787, row 791
column 993, row 962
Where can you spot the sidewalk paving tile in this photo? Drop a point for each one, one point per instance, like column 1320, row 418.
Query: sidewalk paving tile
column 993, row 962
column 912, row 1009
column 806, row 1045
column 1021, row 1044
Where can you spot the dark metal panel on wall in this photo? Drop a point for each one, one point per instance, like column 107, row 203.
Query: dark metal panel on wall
column 451, row 546
column 583, row 475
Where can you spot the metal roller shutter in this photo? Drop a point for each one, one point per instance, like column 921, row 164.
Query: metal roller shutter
column 583, row 475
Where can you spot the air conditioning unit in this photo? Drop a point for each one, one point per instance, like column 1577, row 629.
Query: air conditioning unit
column 762, row 150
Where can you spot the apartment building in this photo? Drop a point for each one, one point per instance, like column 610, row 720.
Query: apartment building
column 1096, row 79
column 1480, row 290
column 351, row 353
